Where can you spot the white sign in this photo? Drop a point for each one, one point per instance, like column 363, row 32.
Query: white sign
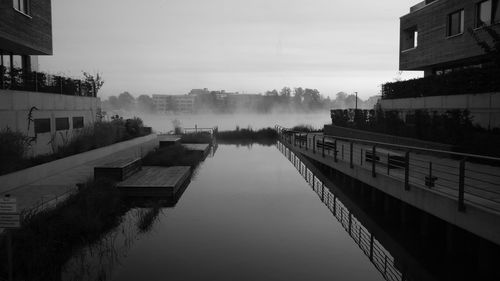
column 10, row 221
column 8, row 205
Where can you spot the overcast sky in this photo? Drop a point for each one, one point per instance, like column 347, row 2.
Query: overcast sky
column 172, row 46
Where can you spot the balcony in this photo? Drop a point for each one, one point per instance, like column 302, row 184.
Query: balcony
column 19, row 80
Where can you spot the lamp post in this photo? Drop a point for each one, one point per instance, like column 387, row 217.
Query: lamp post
column 356, row 100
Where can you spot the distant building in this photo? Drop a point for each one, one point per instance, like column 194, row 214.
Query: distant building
column 48, row 109
column 437, row 36
column 196, row 92
column 174, row 103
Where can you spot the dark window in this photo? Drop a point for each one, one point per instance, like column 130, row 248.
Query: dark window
column 42, row 125
column 22, row 6
column 410, row 38
column 456, row 23
column 62, row 124
column 484, row 13
column 77, row 122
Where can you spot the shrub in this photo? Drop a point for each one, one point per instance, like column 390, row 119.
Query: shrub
column 174, row 155
column 13, row 149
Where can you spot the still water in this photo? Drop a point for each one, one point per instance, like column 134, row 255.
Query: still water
column 164, row 123
column 246, row 215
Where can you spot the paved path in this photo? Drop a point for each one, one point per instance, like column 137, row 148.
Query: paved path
column 52, row 189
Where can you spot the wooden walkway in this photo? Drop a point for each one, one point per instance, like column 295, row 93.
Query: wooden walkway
column 154, row 181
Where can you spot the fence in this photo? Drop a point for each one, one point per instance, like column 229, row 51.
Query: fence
column 381, row 258
column 19, row 80
column 465, row 177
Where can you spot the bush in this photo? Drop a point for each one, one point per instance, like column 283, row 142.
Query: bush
column 452, row 127
column 13, row 149
column 266, row 136
column 48, row 239
column 174, row 155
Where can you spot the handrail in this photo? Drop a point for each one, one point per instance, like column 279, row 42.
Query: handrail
column 413, row 166
column 406, row 147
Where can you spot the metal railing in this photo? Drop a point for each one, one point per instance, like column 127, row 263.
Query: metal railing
column 380, row 257
column 465, row 177
column 20, row 80
column 195, row 130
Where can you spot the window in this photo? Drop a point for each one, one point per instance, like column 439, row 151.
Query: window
column 22, row 6
column 42, row 125
column 456, row 23
column 62, row 124
column 77, row 122
column 410, row 38
column 484, row 13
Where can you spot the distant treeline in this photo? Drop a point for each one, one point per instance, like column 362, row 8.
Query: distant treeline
column 285, row 100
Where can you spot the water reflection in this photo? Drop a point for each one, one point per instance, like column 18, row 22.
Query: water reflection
column 371, row 247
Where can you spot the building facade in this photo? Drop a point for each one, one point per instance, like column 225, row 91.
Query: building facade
column 174, row 103
column 48, row 109
column 439, row 36
column 25, row 32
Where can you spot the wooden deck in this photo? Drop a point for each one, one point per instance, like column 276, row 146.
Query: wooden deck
column 154, row 181
column 167, row 140
column 203, row 148
column 119, row 169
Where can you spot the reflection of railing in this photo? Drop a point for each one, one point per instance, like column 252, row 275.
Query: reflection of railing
column 20, row 80
column 457, row 175
column 371, row 247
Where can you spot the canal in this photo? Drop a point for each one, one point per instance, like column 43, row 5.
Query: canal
column 247, row 214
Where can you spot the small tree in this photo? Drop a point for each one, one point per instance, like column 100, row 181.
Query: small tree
column 92, row 83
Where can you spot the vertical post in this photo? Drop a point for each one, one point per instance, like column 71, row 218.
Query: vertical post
column 407, row 170
column 314, row 144
column 461, row 187
column 351, row 154
column 342, row 151
column 335, row 151
column 371, row 247
column 350, row 223
column 385, row 265
column 374, row 159
column 9, row 254
column 334, row 205
column 323, row 152
column 361, row 158
column 307, row 140
column 36, row 80
column 322, row 192
column 430, row 182
column 388, row 163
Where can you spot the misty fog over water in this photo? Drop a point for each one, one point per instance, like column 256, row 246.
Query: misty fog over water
column 163, row 123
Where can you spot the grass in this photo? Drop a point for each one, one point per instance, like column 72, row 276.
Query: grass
column 174, row 155
column 48, row 239
column 266, row 136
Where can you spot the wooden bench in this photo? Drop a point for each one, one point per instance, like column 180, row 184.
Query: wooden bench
column 118, row 170
column 329, row 146
column 396, row 160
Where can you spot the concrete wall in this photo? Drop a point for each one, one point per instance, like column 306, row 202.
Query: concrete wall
column 435, row 48
column 484, row 108
column 137, row 147
column 15, row 107
column 26, row 34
